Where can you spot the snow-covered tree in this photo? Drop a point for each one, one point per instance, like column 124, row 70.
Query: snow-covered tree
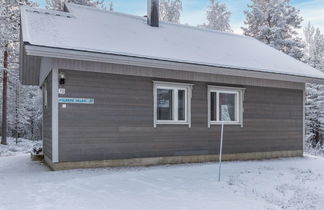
column 59, row 4
column 8, row 22
column 30, row 98
column 314, row 56
column 111, row 6
column 314, row 47
column 9, row 42
column 275, row 22
column 9, row 27
column 218, row 17
column 312, row 113
column 170, row 10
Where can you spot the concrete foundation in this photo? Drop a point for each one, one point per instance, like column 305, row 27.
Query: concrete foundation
column 171, row 160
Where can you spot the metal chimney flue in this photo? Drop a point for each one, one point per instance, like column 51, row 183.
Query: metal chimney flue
column 153, row 13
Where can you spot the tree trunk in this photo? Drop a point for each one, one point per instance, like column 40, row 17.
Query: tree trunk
column 17, row 111
column 5, row 96
column 32, row 128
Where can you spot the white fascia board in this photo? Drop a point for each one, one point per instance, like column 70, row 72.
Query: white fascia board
column 165, row 64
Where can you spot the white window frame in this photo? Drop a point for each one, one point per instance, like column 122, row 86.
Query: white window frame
column 175, row 87
column 239, row 97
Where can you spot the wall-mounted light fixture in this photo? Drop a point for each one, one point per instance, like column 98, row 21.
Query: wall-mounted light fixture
column 61, row 79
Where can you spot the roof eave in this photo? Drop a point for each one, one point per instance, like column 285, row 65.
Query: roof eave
column 33, row 50
column 29, row 67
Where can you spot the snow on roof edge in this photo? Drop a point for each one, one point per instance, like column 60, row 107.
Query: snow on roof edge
column 24, row 28
column 251, row 69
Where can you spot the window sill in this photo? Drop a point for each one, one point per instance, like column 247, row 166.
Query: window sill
column 226, row 123
column 158, row 123
column 172, row 123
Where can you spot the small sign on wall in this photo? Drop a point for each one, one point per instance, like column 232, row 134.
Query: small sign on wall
column 61, row 91
column 76, row 100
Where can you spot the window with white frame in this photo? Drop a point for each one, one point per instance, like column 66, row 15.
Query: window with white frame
column 172, row 103
column 225, row 105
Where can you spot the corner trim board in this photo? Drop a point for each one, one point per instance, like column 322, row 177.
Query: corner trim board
column 55, row 143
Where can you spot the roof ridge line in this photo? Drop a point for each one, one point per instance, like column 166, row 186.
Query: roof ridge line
column 101, row 10
column 163, row 22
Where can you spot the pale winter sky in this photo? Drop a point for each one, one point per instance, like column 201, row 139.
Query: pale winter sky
column 194, row 10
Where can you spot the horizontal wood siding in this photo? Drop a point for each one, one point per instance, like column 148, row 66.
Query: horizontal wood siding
column 47, row 115
column 120, row 123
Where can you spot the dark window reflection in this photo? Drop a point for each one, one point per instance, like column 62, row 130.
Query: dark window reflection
column 181, row 104
column 164, row 104
column 227, row 107
column 213, row 104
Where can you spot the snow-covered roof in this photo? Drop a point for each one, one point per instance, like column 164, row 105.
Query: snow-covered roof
column 95, row 30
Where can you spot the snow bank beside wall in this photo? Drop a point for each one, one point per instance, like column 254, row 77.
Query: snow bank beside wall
column 23, row 146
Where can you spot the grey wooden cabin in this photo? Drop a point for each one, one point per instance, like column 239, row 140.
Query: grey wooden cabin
column 121, row 90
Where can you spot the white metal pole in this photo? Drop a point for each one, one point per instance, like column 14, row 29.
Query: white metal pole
column 220, row 152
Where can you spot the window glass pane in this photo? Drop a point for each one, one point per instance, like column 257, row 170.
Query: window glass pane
column 164, row 104
column 213, row 105
column 181, row 104
column 227, row 106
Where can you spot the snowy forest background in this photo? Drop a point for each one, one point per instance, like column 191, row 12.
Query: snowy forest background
column 274, row 22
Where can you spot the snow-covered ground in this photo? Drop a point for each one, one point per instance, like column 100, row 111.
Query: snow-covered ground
column 291, row 184
column 21, row 147
column 317, row 151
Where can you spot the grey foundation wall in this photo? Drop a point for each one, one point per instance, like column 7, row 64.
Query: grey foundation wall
column 120, row 123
